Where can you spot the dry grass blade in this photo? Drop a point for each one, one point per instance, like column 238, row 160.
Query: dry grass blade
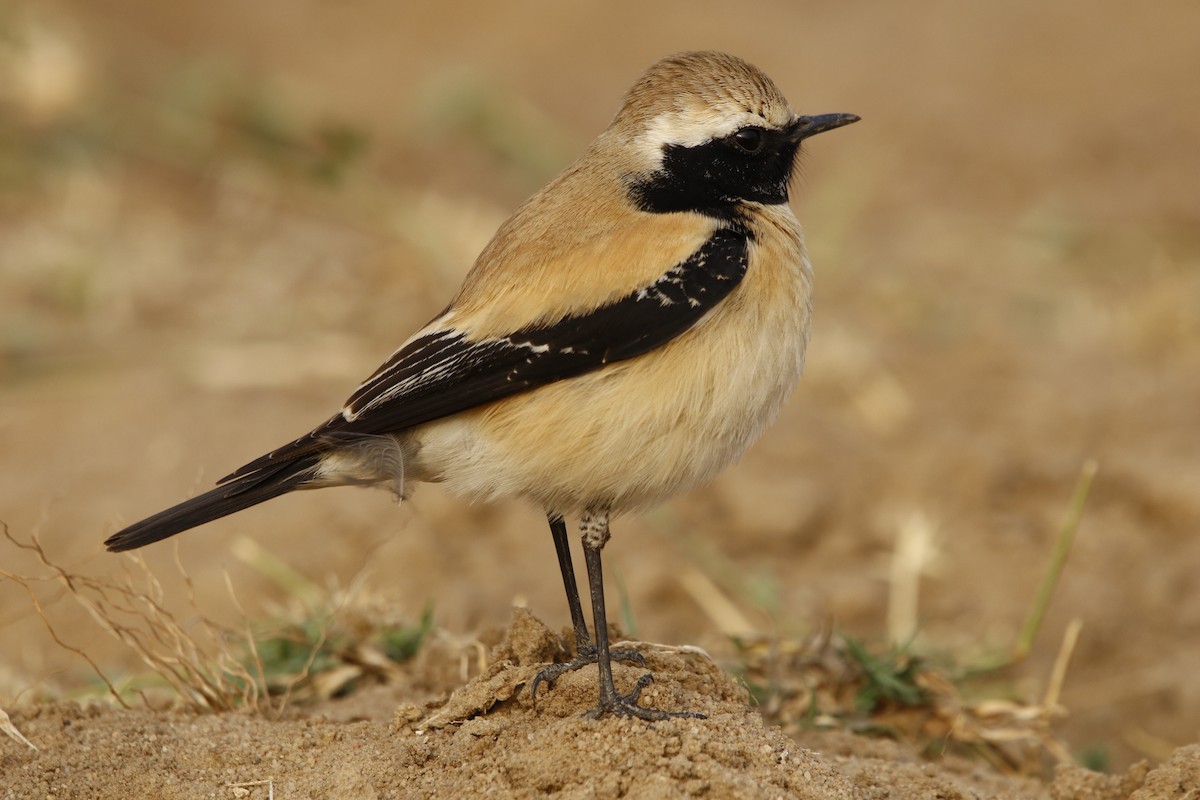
column 7, row 727
column 915, row 548
column 243, row 788
column 207, row 676
column 26, row 584
column 260, row 673
column 722, row 610
column 327, row 644
column 1059, row 675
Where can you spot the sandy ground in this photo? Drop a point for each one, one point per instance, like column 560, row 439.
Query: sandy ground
column 215, row 219
column 491, row 740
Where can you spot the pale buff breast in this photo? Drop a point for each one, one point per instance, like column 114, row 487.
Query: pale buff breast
column 634, row 433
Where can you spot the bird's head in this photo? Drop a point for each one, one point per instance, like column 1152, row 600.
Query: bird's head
column 704, row 131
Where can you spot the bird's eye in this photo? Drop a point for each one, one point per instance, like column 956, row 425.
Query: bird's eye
column 750, row 140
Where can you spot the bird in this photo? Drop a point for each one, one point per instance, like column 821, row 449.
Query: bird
column 625, row 335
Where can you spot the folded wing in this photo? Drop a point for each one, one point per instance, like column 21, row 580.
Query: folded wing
column 444, row 371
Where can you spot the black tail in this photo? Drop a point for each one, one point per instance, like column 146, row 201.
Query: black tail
column 248, row 490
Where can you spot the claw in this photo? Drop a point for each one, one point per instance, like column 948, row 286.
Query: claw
column 587, row 655
column 625, row 705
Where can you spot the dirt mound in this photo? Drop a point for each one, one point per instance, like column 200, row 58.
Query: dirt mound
column 491, row 739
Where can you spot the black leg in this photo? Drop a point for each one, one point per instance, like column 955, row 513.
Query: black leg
column 585, row 651
column 595, row 534
column 558, row 529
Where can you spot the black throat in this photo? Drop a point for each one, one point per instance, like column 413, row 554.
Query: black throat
column 713, row 178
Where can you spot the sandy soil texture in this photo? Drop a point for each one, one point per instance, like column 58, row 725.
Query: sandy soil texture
column 215, row 219
column 491, row 740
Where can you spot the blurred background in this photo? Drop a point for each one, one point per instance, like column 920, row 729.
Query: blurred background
column 216, row 218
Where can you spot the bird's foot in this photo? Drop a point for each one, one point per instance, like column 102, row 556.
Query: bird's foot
column 587, row 655
column 626, row 705
column 611, row 701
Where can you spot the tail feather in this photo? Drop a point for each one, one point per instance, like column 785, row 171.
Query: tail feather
column 248, row 490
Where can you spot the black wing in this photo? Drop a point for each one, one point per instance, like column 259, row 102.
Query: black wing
column 444, row 372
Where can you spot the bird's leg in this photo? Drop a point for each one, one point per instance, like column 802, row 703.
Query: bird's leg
column 594, row 529
column 558, row 529
column 585, row 651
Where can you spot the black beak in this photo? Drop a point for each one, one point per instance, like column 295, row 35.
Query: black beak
column 804, row 127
